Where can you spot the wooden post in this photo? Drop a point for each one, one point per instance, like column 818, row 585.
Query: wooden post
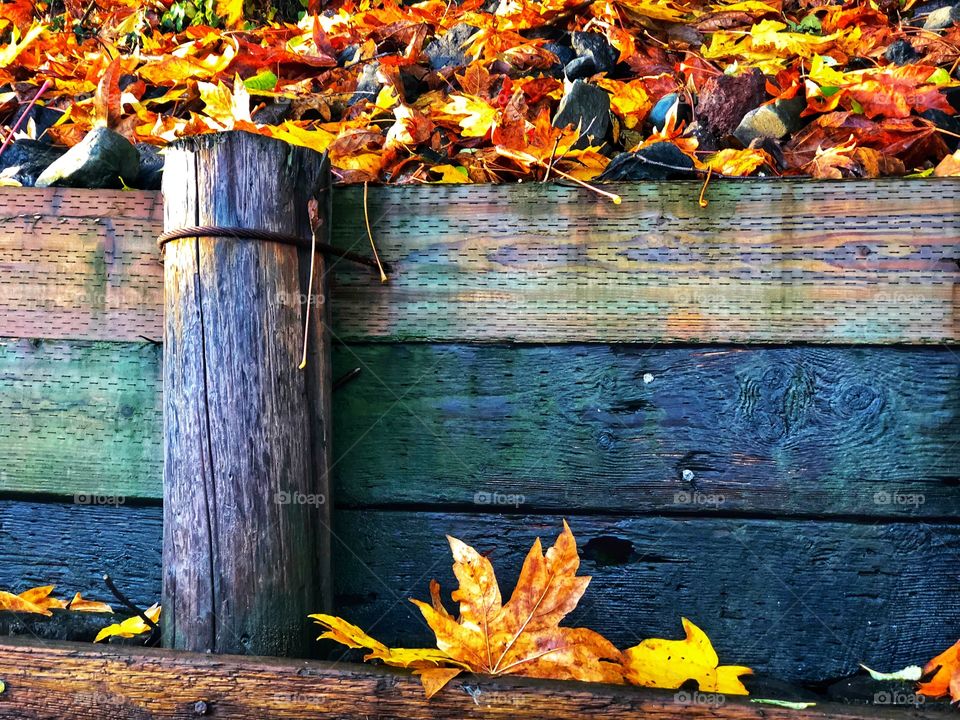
column 246, row 433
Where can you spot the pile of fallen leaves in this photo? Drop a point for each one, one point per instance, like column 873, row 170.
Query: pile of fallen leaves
column 497, row 90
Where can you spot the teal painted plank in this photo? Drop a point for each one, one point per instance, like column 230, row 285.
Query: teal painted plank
column 786, row 431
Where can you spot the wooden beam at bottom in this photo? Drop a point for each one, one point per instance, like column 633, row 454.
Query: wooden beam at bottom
column 83, row 682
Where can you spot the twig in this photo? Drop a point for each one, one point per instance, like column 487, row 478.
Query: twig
column 703, row 191
column 126, row 602
column 528, row 158
column 313, row 211
column 553, row 154
column 366, row 217
column 23, row 115
column 345, row 378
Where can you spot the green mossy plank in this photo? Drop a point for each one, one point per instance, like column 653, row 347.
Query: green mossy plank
column 790, row 431
column 81, row 418
column 796, row 600
column 764, row 262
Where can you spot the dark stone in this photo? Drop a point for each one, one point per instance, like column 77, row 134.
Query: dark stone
column 151, row 167
column 946, row 122
column 447, row 51
column 764, row 686
column 858, row 63
column 596, row 47
column 580, row 68
column 587, row 107
column 774, row 121
column 942, row 18
column 725, row 99
column 901, row 52
column 25, row 160
column 660, row 161
column 952, row 94
column 100, row 160
column 43, row 118
column 658, row 115
column 349, row 55
column 564, row 54
column 368, row 86
column 273, row 113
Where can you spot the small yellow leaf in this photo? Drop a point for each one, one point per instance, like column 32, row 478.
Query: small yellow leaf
column 231, row 11
column 131, row 627
column 78, row 604
column 15, row 603
column 670, row 663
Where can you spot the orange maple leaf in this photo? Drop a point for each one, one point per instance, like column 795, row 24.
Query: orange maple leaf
column 946, row 675
column 523, row 636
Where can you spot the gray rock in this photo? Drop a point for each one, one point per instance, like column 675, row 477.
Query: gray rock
column 25, row 160
column 368, row 86
column 580, row 68
column 774, row 121
column 151, row 167
column 587, row 107
column 901, row 52
column 596, row 47
column 942, row 18
column 100, row 160
column 447, row 51
column 273, row 113
column 660, row 161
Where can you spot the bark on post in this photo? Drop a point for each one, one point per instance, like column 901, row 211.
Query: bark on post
column 246, row 433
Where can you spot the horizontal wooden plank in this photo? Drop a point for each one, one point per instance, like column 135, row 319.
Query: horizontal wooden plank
column 50, row 681
column 795, row 600
column 73, row 545
column 858, row 262
column 81, row 418
column 861, row 262
column 791, row 431
column 96, row 278
column 623, row 429
column 145, row 205
column 802, row 601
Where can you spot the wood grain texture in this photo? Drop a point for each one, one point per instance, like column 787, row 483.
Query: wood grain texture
column 81, row 417
column 854, row 262
column 246, row 497
column 579, row 428
column 801, row 601
column 50, row 681
column 858, row 262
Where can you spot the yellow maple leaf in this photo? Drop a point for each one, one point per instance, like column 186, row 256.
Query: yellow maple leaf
column 78, row 604
column 10, row 53
column 670, row 663
column 131, row 627
column 739, row 163
column 231, row 12
column 475, row 115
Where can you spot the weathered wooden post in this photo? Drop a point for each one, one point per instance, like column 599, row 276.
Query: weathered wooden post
column 246, row 433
